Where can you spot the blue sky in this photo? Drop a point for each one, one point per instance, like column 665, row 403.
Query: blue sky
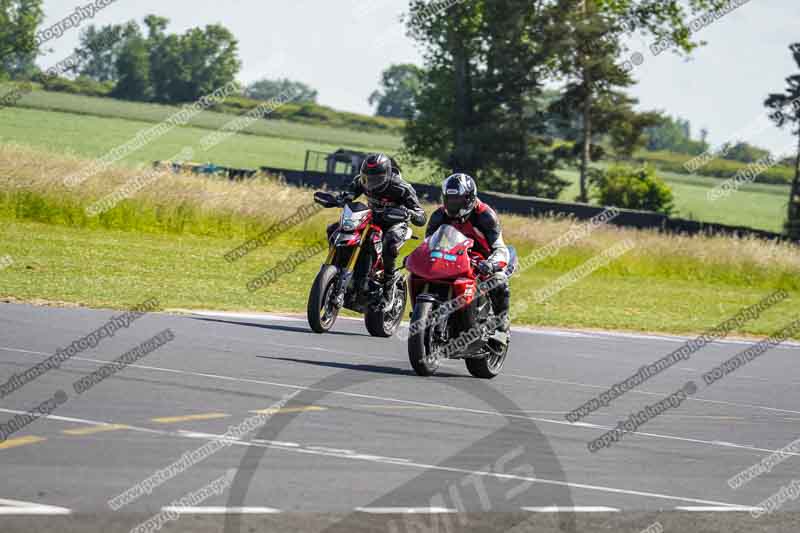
column 325, row 44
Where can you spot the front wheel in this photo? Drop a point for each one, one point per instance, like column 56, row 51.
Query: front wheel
column 383, row 321
column 490, row 366
column 421, row 344
column 321, row 310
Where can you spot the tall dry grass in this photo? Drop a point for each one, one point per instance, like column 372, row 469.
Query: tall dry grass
column 702, row 250
column 31, row 188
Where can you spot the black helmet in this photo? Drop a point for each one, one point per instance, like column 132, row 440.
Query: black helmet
column 459, row 195
column 376, row 171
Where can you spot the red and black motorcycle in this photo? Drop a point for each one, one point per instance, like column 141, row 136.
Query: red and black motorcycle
column 453, row 317
column 352, row 275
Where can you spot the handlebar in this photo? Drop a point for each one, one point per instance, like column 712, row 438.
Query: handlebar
column 391, row 214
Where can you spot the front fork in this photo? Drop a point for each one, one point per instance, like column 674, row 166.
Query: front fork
column 440, row 329
column 346, row 275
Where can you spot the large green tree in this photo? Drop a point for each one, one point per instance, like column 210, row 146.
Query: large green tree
column 267, row 89
column 674, row 135
column 165, row 67
column 479, row 109
column 786, row 108
column 398, row 91
column 208, row 60
column 100, row 49
column 592, row 61
column 744, row 152
column 18, row 22
column 613, row 113
column 133, row 64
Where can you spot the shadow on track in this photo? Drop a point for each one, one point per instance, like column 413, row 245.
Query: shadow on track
column 362, row 367
column 276, row 327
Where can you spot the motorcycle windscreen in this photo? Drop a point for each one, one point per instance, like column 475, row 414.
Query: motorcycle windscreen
column 352, row 220
column 443, row 255
column 447, row 239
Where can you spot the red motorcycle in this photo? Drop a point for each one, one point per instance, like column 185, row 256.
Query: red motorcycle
column 352, row 275
column 453, row 316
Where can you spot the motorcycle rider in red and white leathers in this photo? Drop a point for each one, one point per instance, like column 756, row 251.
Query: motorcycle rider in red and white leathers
column 462, row 209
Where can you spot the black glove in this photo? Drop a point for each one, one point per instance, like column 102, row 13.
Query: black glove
column 418, row 219
column 395, row 214
column 486, row 267
column 343, row 198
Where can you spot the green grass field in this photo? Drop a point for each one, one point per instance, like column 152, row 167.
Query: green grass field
column 154, row 113
column 90, row 136
column 756, row 205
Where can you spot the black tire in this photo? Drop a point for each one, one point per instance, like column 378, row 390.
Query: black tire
column 384, row 324
column 321, row 314
column 487, row 367
column 419, row 344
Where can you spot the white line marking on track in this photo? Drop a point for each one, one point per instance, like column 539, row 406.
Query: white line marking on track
column 405, row 510
column 16, row 507
column 424, row 466
column 277, row 443
column 649, row 393
column 248, row 316
column 520, row 329
column 712, row 509
column 212, row 436
column 443, row 406
column 220, row 510
column 577, row 509
column 505, row 374
column 583, row 425
column 59, row 418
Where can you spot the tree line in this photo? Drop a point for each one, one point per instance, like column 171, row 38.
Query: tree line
column 483, row 105
column 137, row 62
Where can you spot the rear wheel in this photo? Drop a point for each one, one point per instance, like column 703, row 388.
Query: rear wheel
column 489, row 367
column 384, row 321
column 321, row 311
column 421, row 343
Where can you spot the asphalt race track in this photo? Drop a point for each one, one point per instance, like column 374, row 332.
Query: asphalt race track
column 352, row 440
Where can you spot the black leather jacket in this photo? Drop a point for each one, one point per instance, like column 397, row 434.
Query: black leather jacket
column 397, row 193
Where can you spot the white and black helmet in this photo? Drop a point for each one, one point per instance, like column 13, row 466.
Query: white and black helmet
column 459, row 195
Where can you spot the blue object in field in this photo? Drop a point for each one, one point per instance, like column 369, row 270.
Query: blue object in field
column 210, row 168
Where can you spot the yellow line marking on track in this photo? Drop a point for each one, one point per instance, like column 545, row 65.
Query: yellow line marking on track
column 188, row 418
column 94, row 429
column 20, row 441
column 273, row 411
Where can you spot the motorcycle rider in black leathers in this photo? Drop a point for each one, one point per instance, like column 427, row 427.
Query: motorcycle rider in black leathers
column 380, row 180
column 462, row 209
